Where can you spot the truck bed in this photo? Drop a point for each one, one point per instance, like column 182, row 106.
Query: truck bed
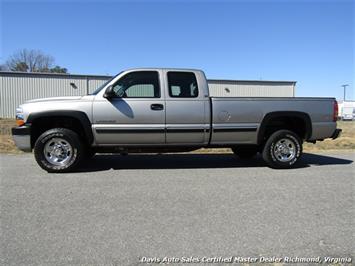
column 238, row 119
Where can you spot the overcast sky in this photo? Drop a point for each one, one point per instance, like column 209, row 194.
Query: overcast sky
column 311, row 42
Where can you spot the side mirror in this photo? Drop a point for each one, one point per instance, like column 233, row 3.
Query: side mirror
column 109, row 93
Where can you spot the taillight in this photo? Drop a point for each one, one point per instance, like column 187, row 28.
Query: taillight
column 335, row 111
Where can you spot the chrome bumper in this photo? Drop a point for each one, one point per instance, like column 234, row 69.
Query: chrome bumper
column 337, row 133
column 22, row 138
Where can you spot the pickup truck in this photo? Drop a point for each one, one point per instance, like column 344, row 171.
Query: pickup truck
column 169, row 110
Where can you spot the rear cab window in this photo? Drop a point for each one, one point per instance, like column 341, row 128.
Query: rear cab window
column 182, row 84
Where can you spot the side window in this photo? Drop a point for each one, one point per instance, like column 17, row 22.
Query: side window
column 140, row 84
column 182, row 84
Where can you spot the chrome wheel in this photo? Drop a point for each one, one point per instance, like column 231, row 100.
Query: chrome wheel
column 58, row 151
column 285, row 150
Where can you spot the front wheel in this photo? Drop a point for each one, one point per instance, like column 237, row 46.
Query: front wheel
column 58, row 150
column 282, row 149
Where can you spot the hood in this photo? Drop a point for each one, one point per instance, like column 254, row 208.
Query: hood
column 55, row 99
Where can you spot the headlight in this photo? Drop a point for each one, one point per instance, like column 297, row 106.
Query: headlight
column 19, row 117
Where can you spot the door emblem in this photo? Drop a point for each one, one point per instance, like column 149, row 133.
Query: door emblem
column 224, row 116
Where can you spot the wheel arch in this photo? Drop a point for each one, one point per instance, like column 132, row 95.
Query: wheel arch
column 281, row 116
column 79, row 116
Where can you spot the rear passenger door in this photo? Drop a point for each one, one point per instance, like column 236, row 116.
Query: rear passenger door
column 185, row 109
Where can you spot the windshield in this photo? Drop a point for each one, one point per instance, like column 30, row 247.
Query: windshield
column 103, row 85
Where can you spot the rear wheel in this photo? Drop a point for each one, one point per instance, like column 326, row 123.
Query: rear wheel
column 58, row 150
column 245, row 151
column 282, row 149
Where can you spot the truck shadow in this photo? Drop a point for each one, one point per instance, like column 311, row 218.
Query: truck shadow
column 102, row 162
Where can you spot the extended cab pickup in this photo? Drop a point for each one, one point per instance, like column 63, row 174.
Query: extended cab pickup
column 157, row 110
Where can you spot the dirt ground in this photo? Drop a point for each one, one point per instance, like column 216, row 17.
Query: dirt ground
column 345, row 142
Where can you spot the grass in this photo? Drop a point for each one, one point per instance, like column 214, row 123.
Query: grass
column 345, row 142
column 7, row 144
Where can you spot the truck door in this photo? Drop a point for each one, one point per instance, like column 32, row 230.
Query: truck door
column 186, row 108
column 136, row 115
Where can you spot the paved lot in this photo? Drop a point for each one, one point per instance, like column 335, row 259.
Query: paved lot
column 117, row 209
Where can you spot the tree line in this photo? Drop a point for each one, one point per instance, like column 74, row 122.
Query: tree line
column 26, row 60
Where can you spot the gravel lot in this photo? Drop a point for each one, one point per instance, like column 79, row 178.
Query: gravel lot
column 116, row 209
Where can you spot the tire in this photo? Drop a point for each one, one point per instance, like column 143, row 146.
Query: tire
column 58, row 150
column 282, row 149
column 245, row 151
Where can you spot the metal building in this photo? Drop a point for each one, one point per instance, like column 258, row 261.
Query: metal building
column 18, row 87
column 251, row 88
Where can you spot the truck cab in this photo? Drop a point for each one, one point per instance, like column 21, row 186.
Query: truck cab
column 153, row 107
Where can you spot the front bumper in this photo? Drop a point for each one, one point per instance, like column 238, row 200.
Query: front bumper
column 22, row 138
column 337, row 133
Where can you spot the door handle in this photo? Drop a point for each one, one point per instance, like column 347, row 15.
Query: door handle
column 157, row 107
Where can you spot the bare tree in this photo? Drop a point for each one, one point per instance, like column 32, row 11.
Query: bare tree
column 32, row 61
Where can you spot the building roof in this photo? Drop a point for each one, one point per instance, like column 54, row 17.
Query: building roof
column 231, row 81
column 69, row 75
column 40, row 74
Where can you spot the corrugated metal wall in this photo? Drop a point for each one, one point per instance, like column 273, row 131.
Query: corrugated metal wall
column 251, row 88
column 16, row 88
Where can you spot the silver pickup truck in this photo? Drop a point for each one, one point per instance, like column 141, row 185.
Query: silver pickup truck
column 167, row 110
